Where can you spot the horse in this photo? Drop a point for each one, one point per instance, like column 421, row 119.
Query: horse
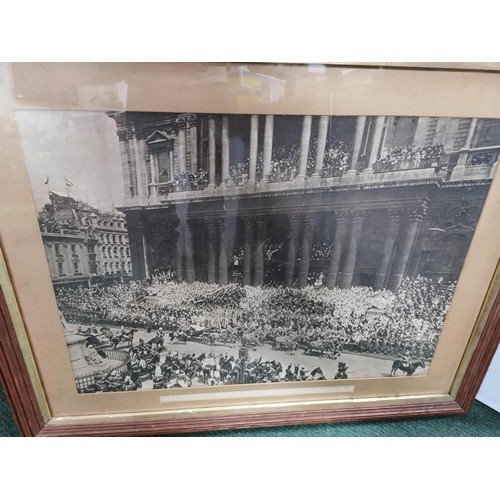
column 409, row 370
column 341, row 372
column 126, row 337
column 182, row 337
column 317, row 374
column 185, row 379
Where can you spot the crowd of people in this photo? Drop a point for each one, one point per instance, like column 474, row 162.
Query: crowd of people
column 165, row 367
column 358, row 319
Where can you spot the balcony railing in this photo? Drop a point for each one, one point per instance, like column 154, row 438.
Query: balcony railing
column 404, row 164
column 380, row 171
column 482, row 157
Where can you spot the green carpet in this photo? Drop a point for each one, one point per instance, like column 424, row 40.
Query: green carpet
column 481, row 421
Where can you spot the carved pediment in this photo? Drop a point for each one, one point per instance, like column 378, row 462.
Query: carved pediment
column 158, row 137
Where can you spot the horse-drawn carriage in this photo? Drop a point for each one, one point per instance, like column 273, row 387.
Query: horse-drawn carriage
column 216, row 336
column 249, row 340
column 285, row 343
column 323, row 348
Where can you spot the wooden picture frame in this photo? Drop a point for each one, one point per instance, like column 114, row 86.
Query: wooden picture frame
column 35, row 368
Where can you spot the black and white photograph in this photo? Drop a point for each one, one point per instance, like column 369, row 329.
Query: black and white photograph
column 194, row 249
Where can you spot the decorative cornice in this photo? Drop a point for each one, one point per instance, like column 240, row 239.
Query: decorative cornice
column 295, row 219
column 342, row 216
column 358, row 215
column 310, row 218
column 248, row 220
column 125, row 134
column 417, row 213
column 181, row 121
column 395, row 214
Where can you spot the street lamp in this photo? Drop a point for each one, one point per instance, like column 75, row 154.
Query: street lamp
column 243, row 354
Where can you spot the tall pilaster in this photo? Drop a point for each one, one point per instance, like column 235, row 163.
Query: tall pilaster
column 222, row 225
column 193, row 135
column 304, row 146
column 154, row 178
column 171, row 164
column 268, row 147
column 389, row 245
column 375, row 143
column 179, row 253
column 258, row 277
column 351, row 254
column 414, row 217
column 248, row 250
column 123, row 144
column 225, row 149
column 188, row 247
column 293, row 245
column 254, row 142
column 321, row 145
column 137, row 147
column 211, row 152
column 212, row 249
column 459, row 169
column 144, row 249
column 305, row 249
column 155, row 175
column 358, row 140
column 338, row 245
column 181, row 147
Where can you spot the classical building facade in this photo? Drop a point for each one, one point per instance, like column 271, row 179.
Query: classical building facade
column 83, row 244
column 298, row 200
column 112, row 250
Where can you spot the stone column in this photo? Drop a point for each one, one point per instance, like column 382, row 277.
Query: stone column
column 258, row 276
column 345, row 277
column 320, row 150
column 188, row 247
column 254, row 142
column 338, row 244
column 212, row 249
column 211, row 153
column 225, row 149
column 221, row 223
column 268, row 147
column 181, row 148
column 248, row 250
column 138, row 251
column 136, row 148
column 459, row 169
column 420, row 131
column 305, row 249
column 171, row 164
column 155, row 174
column 414, row 217
column 375, row 143
column 124, row 150
column 389, row 244
column 154, row 177
column 179, row 254
column 358, row 139
column 304, row 147
column 194, row 146
column 293, row 245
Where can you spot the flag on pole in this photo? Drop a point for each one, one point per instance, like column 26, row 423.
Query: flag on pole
column 68, row 183
column 47, row 181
